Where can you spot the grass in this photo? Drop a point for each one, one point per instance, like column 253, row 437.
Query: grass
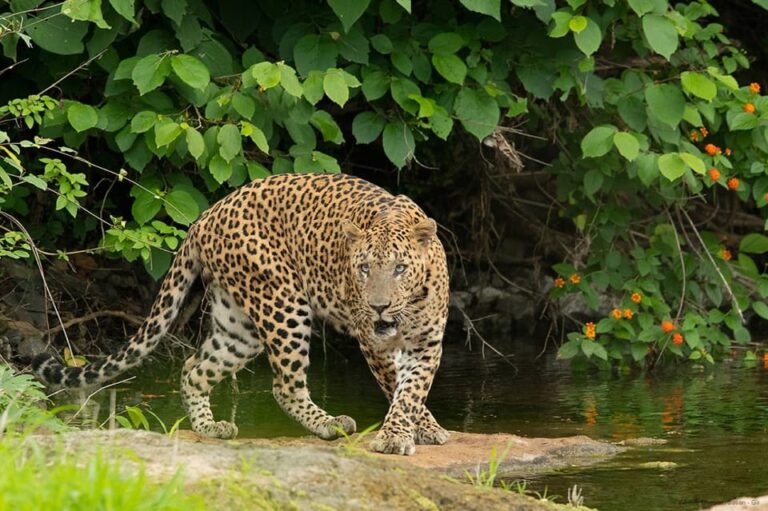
column 37, row 477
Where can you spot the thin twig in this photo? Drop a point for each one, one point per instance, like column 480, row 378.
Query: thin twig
column 131, row 318
column 682, row 267
column 41, row 271
column 734, row 302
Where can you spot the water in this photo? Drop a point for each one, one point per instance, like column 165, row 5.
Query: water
column 715, row 419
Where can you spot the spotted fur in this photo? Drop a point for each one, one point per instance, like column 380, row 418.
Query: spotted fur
column 276, row 255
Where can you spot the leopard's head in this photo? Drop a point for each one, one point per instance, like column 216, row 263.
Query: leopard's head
column 388, row 267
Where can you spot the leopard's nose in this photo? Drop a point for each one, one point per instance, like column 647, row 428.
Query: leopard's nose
column 380, row 308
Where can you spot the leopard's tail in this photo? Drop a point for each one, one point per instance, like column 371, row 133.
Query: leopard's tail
column 175, row 286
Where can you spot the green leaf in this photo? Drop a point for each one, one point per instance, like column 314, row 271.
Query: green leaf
column 398, row 143
column 627, row 145
column 671, row 166
column 145, row 207
column 181, row 207
column 478, row 112
column 490, row 7
column 661, row 34
column 405, row 4
column 288, row 80
column 335, row 86
column 588, row 40
column 577, row 23
column 761, row 309
column 313, row 87
column 450, row 67
column 569, row 349
column 143, row 121
column 150, row 72
column 174, row 9
column 446, row 43
column 593, row 180
column 195, row 142
column 647, row 169
column 641, row 7
column 220, row 169
column 256, row 135
column 84, row 10
column 323, row 122
column 666, row 103
column 56, row 34
column 698, row 85
column 267, row 74
column 82, row 117
column 367, row 126
column 348, row 11
column 230, row 142
column 594, row 349
column 243, row 105
column 375, row 85
column 314, row 52
column 191, row 71
column 694, row 162
column 382, row 44
column 754, row 243
column 124, row 8
column 166, row 133
column 598, row 141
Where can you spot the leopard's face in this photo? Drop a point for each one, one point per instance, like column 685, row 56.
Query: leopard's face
column 388, row 266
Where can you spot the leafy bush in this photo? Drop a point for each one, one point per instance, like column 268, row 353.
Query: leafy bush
column 178, row 101
column 20, row 397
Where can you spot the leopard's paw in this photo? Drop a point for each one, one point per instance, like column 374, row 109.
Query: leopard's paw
column 387, row 442
column 221, row 429
column 431, row 434
column 337, row 427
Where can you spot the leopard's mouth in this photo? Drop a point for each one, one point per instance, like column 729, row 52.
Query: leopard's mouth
column 384, row 328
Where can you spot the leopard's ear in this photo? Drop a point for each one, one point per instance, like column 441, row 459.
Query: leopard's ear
column 353, row 232
column 424, row 231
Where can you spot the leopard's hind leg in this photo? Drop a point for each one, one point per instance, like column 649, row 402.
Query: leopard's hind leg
column 230, row 344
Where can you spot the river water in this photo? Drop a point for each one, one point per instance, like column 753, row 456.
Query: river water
column 715, row 419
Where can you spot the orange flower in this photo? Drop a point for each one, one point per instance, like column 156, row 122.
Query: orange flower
column 749, row 108
column 711, row 149
column 616, row 313
column 628, row 313
column 733, row 183
column 728, row 151
column 559, row 282
column 590, row 330
column 725, row 254
column 754, row 87
column 636, row 297
column 667, row 326
column 765, row 197
column 714, row 174
column 704, row 131
column 694, row 136
column 677, row 339
column 575, row 278
column 765, row 360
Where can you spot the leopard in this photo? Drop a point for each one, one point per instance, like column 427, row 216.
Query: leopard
column 279, row 254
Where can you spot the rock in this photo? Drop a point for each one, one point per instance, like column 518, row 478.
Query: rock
column 744, row 504
column 312, row 474
column 464, row 452
column 642, row 442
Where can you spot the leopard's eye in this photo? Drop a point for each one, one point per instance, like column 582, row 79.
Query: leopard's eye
column 399, row 269
column 364, row 268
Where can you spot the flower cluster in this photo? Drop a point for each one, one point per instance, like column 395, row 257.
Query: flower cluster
column 590, row 331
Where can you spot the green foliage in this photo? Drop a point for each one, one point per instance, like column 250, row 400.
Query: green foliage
column 184, row 101
column 20, row 397
column 43, row 479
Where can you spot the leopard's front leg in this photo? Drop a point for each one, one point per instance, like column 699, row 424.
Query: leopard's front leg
column 408, row 416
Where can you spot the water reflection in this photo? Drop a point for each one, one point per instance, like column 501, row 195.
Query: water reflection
column 715, row 419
